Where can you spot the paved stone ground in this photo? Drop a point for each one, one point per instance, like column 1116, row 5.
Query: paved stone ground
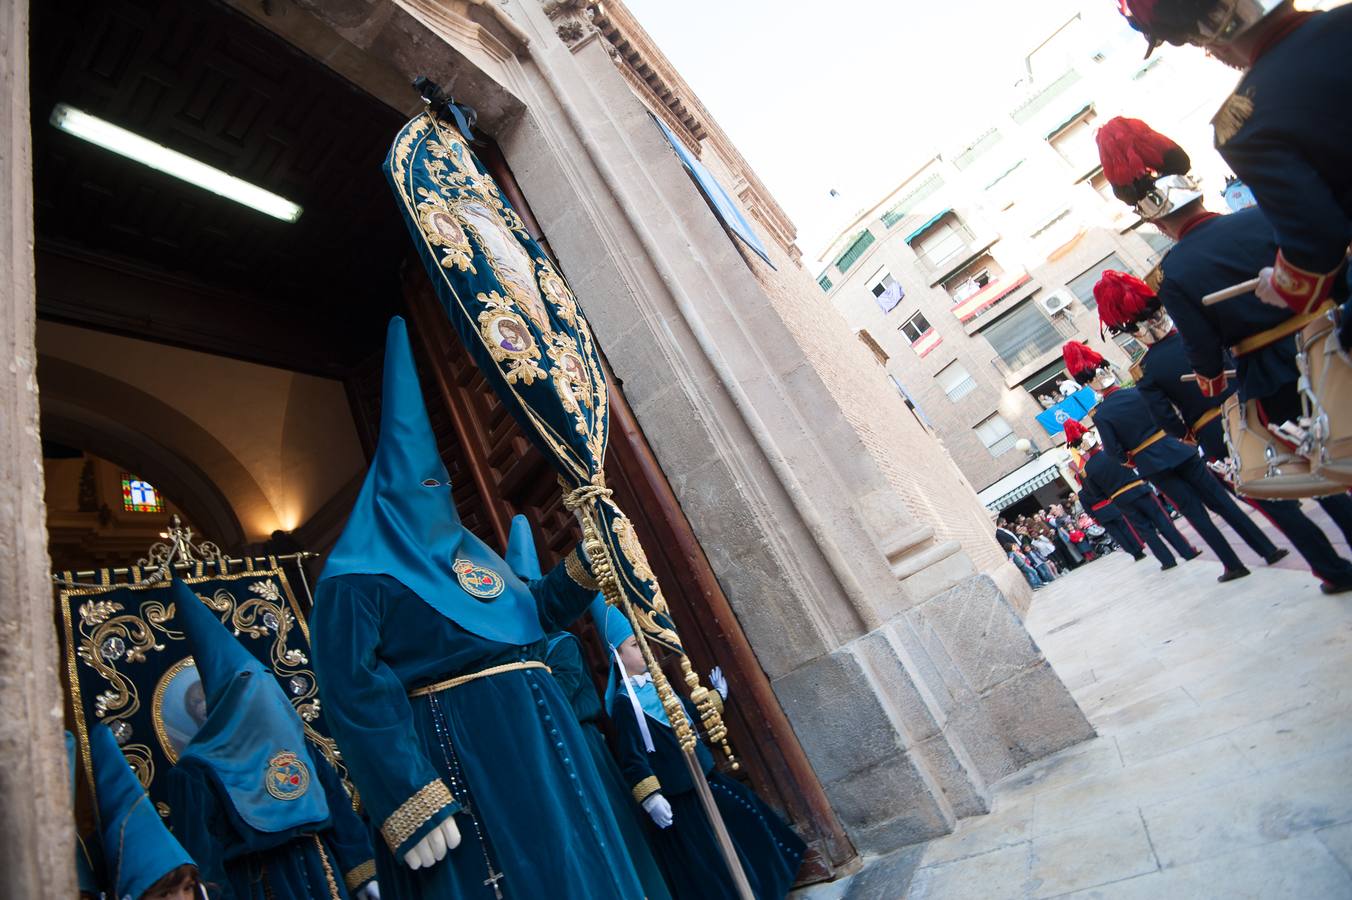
column 1223, row 765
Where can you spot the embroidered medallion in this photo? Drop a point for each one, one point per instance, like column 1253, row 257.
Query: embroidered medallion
column 509, row 339
column 287, row 778
column 478, row 581
column 1234, row 112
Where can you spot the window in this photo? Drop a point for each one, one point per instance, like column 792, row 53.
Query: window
column 996, row 434
column 973, row 278
column 1082, row 285
column 1158, row 240
column 886, row 290
column 862, row 242
column 907, row 204
column 139, row 496
column 916, row 327
column 874, row 347
column 1022, row 335
column 1075, row 142
column 956, row 381
column 943, row 244
column 824, row 283
column 1044, row 384
column 1060, row 231
column 1134, row 348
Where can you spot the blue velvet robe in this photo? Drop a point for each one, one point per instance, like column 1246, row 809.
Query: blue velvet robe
column 327, row 861
column 565, row 661
column 524, row 765
column 688, row 849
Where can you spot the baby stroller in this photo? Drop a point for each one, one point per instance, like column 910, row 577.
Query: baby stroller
column 1095, row 539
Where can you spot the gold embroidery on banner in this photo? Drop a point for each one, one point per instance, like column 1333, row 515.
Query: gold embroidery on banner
column 361, row 874
column 577, row 570
column 1232, row 115
column 88, row 624
column 646, row 788
column 509, row 340
column 414, row 812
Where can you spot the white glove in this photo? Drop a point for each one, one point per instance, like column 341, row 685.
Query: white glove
column 432, row 848
column 1267, row 293
column 369, row 891
column 718, row 682
column 659, row 809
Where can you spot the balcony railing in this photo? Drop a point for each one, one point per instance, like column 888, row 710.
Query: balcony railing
column 1044, row 342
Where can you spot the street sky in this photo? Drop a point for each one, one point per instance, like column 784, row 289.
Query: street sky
column 851, row 95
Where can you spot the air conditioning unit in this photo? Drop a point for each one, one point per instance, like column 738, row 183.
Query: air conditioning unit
column 1056, row 301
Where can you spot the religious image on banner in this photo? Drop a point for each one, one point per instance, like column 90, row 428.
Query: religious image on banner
column 131, row 670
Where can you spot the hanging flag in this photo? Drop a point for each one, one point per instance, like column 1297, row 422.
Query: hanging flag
column 526, row 332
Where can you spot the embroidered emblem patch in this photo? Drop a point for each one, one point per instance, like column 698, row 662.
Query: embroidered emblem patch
column 478, row 581
column 1234, row 112
column 287, row 777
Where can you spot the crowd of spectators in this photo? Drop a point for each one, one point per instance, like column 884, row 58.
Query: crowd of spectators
column 1050, row 542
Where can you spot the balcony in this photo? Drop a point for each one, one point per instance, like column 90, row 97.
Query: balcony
column 1045, row 347
column 984, row 300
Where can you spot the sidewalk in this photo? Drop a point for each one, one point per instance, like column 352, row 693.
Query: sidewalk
column 1223, row 765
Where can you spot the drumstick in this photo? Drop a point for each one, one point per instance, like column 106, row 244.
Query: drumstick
column 1192, row 376
column 1234, row 290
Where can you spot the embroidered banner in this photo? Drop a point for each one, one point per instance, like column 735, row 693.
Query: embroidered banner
column 129, row 669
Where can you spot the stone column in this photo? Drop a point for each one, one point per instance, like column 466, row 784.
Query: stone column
column 37, row 849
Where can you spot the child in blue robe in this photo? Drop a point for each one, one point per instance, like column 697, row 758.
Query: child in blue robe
column 660, row 782
column 564, row 658
column 260, row 808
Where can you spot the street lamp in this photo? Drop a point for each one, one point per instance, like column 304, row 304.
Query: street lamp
column 1026, row 447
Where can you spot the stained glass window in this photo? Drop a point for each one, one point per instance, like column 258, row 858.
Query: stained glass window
column 140, row 496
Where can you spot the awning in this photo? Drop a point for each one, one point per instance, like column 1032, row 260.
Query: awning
column 990, row 294
column 934, row 220
column 1041, row 479
column 727, row 211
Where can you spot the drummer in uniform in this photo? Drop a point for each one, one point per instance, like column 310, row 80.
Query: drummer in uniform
column 1101, row 506
column 1131, row 436
column 1109, row 485
column 1282, row 131
column 1127, row 305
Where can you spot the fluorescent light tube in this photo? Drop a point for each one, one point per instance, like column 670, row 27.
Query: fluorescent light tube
column 157, row 156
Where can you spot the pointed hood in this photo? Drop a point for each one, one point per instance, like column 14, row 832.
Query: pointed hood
column 140, row 848
column 521, row 555
column 84, row 864
column 405, row 525
column 252, row 740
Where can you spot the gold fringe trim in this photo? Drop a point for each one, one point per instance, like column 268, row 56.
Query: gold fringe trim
column 577, row 570
column 646, row 788
column 360, row 875
column 414, row 813
column 1230, row 118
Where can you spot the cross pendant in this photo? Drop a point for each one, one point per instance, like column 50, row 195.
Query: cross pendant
column 492, row 881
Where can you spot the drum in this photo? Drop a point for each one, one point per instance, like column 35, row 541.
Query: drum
column 1264, row 468
column 1326, row 386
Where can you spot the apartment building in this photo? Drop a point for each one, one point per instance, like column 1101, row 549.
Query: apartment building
column 967, row 278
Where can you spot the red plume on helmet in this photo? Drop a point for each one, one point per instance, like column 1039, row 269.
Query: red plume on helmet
column 1134, row 155
column 1081, row 361
column 1143, row 11
column 1074, row 432
column 1123, row 298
